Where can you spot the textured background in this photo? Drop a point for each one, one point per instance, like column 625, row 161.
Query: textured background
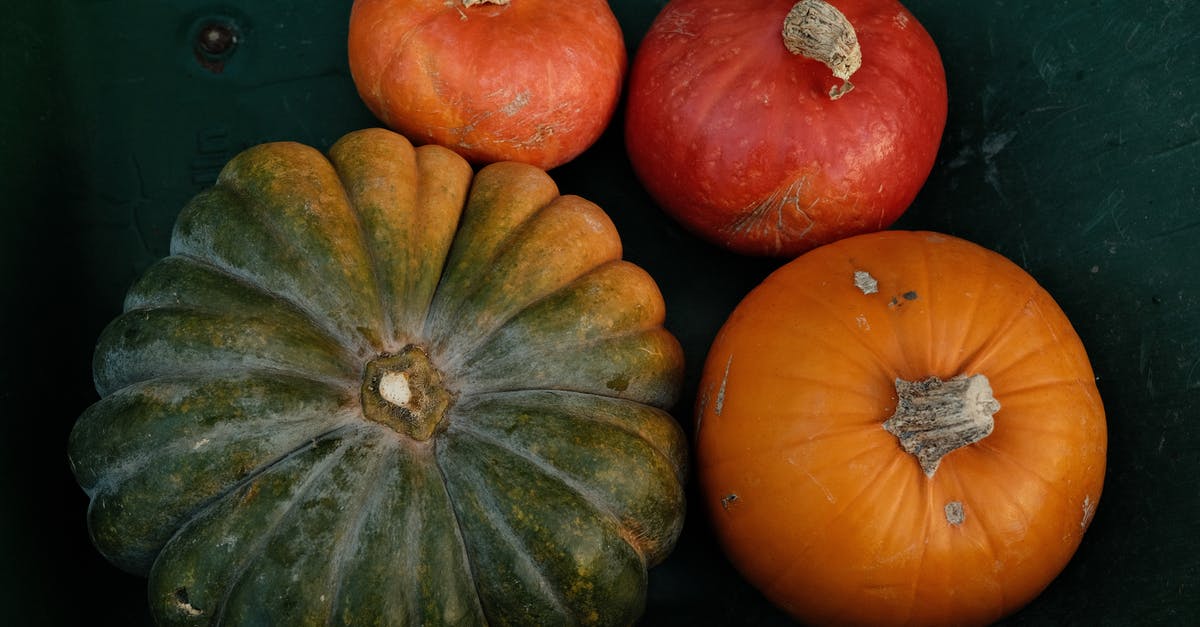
column 1072, row 147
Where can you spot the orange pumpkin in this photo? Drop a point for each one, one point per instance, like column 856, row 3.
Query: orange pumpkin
column 900, row 427
column 535, row 81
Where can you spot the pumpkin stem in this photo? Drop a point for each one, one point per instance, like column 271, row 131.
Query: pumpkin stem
column 405, row 392
column 471, row 3
column 934, row 417
column 817, row 30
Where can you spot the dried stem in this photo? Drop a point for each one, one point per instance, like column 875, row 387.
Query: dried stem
column 817, row 30
column 934, row 417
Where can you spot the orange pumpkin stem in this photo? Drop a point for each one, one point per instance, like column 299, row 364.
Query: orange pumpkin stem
column 817, row 30
column 934, row 417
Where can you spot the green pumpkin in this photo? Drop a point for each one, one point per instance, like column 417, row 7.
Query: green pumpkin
column 376, row 388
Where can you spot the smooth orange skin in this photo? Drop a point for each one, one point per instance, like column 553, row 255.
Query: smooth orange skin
column 819, row 507
column 534, row 81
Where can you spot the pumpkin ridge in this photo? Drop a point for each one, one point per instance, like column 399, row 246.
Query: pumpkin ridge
column 680, row 473
column 115, row 348
column 590, row 497
column 464, row 298
column 843, row 386
column 988, row 534
column 985, row 351
column 1006, row 492
column 933, row 339
column 370, row 496
column 598, row 341
column 517, row 547
column 265, row 535
column 323, row 326
column 914, row 583
column 119, row 474
column 262, row 470
column 831, row 313
column 471, row 356
column 713, row 464
column 460, row 532
column 1007, row 458
column 783, row 578
column 501, row 200
column 1013, row 391
column 1050, row 328
column 411, row 220
column 518, row 236
column 305, row 261
column 424, row 162
column 988, row 545
column 853, row 431
column 654, row 355
column 976, row 303
column 374, row 266
column 125, row 473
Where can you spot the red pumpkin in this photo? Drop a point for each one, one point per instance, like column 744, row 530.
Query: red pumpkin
column 899, row 428
column 534, row 81
column 767, row 151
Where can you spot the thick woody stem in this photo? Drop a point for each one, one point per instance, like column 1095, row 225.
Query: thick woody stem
column 406, row 392
column 934, row 417
column 817, row 30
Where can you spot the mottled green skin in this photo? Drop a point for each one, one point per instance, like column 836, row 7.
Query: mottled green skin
column 229, row 457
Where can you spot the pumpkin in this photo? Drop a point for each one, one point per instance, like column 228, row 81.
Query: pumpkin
column 769, row 127
column 372, row 388
column 899, row 428
column 535, row 81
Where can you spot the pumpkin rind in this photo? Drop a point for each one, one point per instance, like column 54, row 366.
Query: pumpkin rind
column 229, row 457
column 535, row 81
column 737, row 138
column 821, row 508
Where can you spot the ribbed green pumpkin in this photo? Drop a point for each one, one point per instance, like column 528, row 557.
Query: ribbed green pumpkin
column 376, row 389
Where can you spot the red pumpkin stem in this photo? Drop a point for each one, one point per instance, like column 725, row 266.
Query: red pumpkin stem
column 817, row 30
column 934, row 417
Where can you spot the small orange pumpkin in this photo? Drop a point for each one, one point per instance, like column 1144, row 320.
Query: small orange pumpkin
column 535, row 81
column 900, row 427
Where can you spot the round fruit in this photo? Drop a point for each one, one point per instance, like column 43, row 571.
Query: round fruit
column 770, row 127
column 900, row 428
column 373, row 389
column 535, row 81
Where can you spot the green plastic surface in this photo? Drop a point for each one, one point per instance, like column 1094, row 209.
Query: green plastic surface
column 1072, row 147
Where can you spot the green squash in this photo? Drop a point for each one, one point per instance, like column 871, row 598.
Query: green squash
column 376, row 389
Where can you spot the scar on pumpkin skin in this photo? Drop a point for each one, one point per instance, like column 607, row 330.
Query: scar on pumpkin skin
column 955, row 514
column 730, row 499
column 181, row 600
column 721, row 391
column 865, row 282
column 1089, row 510
column 896, row 303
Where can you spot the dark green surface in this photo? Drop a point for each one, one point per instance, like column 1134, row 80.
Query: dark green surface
column 1072, row 146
